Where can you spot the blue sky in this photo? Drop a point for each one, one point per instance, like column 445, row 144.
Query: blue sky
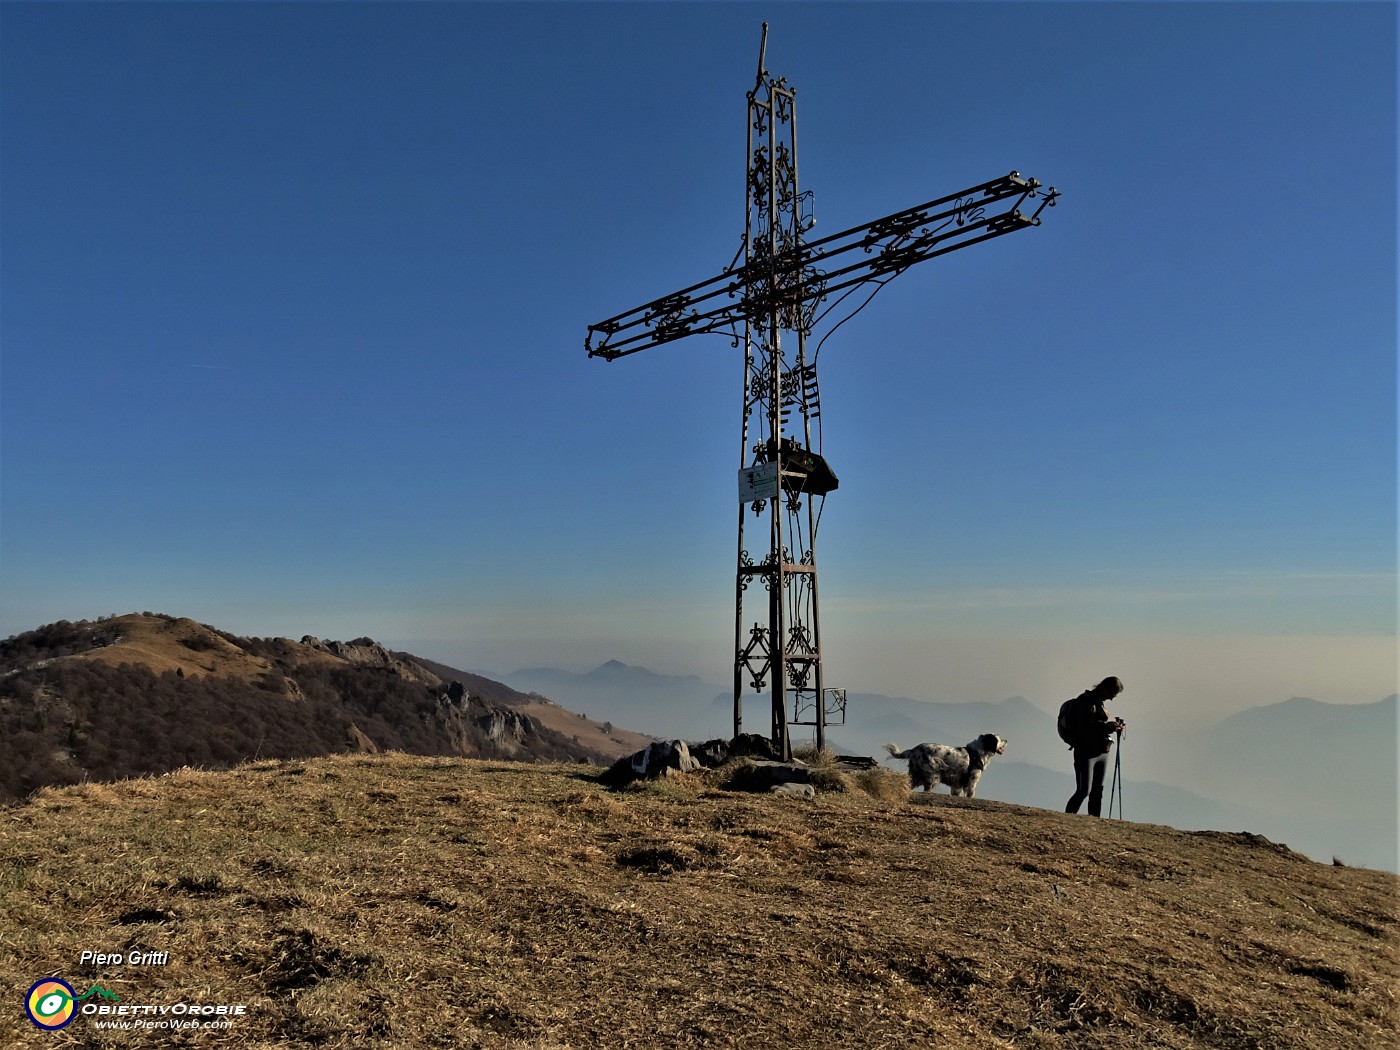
column 293, row 299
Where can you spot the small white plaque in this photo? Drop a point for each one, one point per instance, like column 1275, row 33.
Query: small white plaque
column 759, row 481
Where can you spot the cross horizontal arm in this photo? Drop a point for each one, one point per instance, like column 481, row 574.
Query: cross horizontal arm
column 784, row 282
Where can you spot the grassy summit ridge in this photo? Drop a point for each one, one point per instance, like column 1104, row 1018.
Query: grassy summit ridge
column 409, row 901
column 147, row 693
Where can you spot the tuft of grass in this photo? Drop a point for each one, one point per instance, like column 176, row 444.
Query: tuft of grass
column 825, row 774
column 674, row 785
column 812, row 755
column 738, row 774
column 883, row 785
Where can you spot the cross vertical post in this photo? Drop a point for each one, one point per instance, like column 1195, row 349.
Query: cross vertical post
column 776, row 627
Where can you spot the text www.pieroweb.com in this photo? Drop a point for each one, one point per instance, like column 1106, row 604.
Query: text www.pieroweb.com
column 166, row 1023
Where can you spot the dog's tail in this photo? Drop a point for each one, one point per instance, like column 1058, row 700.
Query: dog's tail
column 895, row 752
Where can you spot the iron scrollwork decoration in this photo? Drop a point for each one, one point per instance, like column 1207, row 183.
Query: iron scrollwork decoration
column 758, row 644
column 668, row 317
column 829, row 265
column 758, row 178
column 782, row 101
column 969, row 211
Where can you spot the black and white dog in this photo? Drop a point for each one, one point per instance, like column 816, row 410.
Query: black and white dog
column 958, row 767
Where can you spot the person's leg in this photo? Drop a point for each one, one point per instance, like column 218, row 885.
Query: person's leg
column 1098, row 765
column 1081, row 780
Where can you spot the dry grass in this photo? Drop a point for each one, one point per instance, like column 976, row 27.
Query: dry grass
column 396, row 901
column 164, row 644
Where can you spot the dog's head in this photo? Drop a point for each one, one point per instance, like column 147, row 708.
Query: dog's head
column 991, row 744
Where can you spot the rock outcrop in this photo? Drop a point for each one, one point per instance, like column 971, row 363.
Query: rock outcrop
column 358, row 742
column 366, row 652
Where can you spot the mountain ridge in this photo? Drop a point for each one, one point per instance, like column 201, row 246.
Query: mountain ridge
column 145, row 693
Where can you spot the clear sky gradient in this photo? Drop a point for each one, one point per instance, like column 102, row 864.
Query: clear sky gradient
column 294, row 300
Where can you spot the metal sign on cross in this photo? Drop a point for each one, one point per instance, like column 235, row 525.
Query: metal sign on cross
column 790, row 283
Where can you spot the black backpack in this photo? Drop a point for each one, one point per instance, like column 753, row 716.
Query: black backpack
column 1068, row 722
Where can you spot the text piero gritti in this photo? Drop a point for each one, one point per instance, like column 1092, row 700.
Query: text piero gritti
column 132, row 958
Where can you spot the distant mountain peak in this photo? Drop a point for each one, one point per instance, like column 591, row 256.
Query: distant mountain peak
column 617, row 670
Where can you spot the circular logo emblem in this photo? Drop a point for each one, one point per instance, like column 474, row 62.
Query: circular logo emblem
column 50, row 1003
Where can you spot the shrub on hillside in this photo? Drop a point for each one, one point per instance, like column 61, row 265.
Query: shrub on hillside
column 46, row 643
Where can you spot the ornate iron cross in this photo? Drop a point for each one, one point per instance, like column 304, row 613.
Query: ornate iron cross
column 788, row 283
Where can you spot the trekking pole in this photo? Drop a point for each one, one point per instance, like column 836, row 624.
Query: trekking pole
column 1117, row 784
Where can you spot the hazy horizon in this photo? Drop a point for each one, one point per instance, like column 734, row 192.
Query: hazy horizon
column 1044, row 691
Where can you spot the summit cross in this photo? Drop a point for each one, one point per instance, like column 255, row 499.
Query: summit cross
column 787, row 283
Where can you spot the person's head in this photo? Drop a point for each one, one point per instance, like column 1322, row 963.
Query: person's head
column 1108, row 688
